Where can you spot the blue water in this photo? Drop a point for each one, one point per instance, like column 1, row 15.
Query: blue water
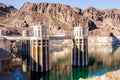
column 18, row 75
column 74, row 74
column 101, row 72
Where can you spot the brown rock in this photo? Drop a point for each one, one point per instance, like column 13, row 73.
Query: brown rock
column 6, row 11
column 54, row 16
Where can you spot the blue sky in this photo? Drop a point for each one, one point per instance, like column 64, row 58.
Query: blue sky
column 83, row 4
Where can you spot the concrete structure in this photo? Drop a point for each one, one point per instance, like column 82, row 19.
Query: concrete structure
column 4, row 43
column 35, row 49
column 39, row 49
column 80, row 47
column 25, row 51
column 26, row 54
column 4, row 55
column 25, row 33
column 2, row 33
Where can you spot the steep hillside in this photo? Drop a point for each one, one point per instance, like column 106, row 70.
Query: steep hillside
column 60, row 19
column 6, row 11
column 107, row 21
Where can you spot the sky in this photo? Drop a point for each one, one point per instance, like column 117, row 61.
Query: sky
column 83, row 4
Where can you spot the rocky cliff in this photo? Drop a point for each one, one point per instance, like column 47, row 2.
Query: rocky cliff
column 6, row 11
column 60, row 19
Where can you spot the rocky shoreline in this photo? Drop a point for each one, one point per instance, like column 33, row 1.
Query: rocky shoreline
column 114, row 75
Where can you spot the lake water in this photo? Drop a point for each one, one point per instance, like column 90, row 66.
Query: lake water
column 102, row 59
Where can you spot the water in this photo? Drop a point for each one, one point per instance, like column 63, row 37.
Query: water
column 103, row 59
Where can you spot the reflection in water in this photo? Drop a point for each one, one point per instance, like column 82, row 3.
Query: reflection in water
column 61, row 69
column 61, row 74
column 105, row 55
column 40, row 76
column 60, row 64
column 79, row 72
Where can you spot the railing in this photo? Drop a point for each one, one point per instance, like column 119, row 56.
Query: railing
column 56, row 37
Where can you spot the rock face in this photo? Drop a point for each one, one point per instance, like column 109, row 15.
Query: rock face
column 60, row 19
column 106, row 21
column 114, row 75
column 6, row 11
